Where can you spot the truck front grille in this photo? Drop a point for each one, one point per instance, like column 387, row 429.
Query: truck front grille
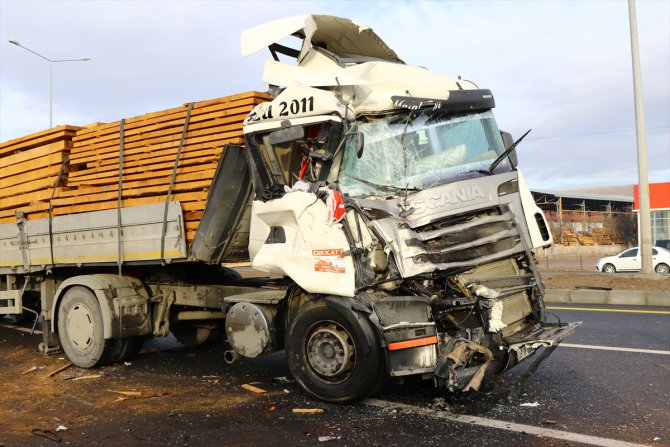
column 467, row 240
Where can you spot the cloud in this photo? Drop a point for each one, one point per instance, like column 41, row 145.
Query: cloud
column 562, row 68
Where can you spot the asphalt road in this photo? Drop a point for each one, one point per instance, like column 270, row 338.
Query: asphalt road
column 581, row 395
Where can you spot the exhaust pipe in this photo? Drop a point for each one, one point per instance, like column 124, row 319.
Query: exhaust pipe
column 231, row 357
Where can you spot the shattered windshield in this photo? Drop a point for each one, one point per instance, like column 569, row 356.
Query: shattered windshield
column 420, row 149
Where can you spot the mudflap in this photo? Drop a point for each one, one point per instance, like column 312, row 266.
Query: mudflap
column 548, row 335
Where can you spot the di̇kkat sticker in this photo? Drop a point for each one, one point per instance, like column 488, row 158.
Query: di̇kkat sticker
column 328, row 260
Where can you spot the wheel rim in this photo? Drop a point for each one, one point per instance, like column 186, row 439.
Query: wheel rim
column 662, row 269
column 330, row 352
column 609, row 269
column 80, row 326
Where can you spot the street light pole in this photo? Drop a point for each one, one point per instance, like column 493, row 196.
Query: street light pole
column 51, row 73
column 642, row 166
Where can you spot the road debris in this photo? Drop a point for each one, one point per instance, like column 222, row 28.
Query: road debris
column 254, row 389
column 48, row 434
column 530, row 404
column 328, row 438
column 127, row 363
column 78, row 399
column 62, row 368
column 88, row 377
column 127, row 393
column 271, row 406
column 283, row 380
column 308, row 410
column 286, row 391
column 61, row 428
column 34, row 368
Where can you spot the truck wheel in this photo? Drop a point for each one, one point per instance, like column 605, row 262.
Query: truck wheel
column 194, row 335
column 334, row 357
column 80, row 328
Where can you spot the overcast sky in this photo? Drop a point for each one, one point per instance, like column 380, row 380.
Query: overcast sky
column 562, row 68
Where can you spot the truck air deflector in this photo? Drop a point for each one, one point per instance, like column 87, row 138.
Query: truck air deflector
column 220, row 236
column 337, row 34
column 458, row 101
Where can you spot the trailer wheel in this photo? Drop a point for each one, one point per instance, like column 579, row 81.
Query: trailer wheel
column 80, row 328
column 194, row 335
column 334, row 357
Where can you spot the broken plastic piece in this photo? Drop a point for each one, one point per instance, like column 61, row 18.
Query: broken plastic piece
column 530, row 404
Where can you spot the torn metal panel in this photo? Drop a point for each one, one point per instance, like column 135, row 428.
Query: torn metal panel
column 339, row 35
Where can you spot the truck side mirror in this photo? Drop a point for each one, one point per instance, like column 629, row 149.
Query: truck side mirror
column 508, row 141
column 286, row 134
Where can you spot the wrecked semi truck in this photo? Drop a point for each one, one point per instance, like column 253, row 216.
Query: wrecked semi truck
column 382, row 197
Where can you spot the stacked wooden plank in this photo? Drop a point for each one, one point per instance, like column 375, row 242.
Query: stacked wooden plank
column 568, row 237
column 29, row 168
column 150, row 147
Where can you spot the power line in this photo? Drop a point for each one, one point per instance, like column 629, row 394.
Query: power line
column 605, row 133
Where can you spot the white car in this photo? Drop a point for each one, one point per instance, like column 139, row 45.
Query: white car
column 629, row 261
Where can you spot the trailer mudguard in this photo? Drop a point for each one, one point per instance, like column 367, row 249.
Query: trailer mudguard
column 124, row 303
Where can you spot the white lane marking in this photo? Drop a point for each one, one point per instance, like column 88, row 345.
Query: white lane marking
column 504, row 425
column 21, row 329
column 614, row 348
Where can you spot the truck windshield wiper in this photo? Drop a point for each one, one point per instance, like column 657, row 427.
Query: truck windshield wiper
column 385, row 188
column 502, row 156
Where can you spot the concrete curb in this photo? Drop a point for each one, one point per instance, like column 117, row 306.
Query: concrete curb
column 615, row 297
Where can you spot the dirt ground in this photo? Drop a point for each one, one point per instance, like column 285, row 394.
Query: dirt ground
column 651, row 283
column 185, row 397
column 573, row 273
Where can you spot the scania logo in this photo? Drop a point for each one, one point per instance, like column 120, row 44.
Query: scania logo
column 452, row 197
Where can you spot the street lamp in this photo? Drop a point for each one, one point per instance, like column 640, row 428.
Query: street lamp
column 51, row 74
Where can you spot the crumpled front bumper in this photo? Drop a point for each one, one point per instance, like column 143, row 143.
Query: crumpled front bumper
column 547, row 334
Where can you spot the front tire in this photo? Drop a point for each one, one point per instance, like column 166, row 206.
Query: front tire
column 81, row 330
column 662, row 269
column 333, row 357
column 609, row 268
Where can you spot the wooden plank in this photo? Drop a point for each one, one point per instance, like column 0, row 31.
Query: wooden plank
column 231, row 130
column 28, row 177
column 137, row 121
column 136, row 174
column 36, row 140
column 230, row 137
column 158, row 192
column 189, row 196
column 56, row 159
column 31, row 154
column 154, row 158
column 14, row 201
column 33, row 207
column 168, row 123
column 112, row 157
column 176, row 112
column 31, row 216
column 200, row 174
